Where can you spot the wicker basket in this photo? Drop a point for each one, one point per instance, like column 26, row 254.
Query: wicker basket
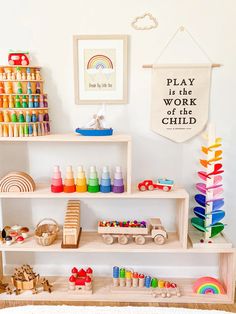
column 50, row 229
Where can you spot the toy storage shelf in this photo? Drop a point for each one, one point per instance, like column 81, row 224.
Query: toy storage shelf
column 70, row 137
column 102, row 293
column 91, row 242
column 44, row 191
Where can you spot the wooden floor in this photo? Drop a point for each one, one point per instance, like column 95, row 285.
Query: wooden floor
column 224, row 307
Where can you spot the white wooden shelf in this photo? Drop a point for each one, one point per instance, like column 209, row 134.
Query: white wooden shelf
column 91, row 242
column 102, row 293
column 44, row 191
column 70, row 137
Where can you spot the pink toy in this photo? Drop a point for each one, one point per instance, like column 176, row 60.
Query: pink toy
column 57, row 185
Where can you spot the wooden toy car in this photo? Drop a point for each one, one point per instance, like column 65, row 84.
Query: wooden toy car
column 153, row 230
column 162, row 184
column 18, row 58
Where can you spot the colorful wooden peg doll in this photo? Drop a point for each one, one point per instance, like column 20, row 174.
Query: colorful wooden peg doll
column 5, row 102
column 8, row 88
column 18, row 103
column 31, row 102
column 93, row 181
column 28, row 74
column 2, row 91
column 69, row 183
column 56, row 186
column 38, row 89
column 29, row 88
column 11, row 101
column 18, row 73
column 19, row 88
column 24, row 102
column 81, row 184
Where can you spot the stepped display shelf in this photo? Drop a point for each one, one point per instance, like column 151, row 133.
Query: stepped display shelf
column 91, row 242
column 102, row 293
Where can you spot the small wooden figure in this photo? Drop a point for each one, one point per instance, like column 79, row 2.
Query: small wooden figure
column 71, row 228
column 93, row 181
column 118, row 182
column 46, row 285
column 9, row 290
column 69, row 183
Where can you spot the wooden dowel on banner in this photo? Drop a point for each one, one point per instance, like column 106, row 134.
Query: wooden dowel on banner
column 150, row 66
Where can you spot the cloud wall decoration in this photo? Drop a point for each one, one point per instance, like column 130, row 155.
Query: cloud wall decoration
column 144, row 22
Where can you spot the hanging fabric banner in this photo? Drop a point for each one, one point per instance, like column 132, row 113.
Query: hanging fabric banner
column 180, row 99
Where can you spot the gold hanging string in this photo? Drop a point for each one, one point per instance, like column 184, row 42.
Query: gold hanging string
column 181, row 29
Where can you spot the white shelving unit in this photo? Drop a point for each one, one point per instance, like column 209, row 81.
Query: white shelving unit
column 91, row 242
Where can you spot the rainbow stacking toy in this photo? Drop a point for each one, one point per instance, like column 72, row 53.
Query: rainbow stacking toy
column 93, row 181
column 57, row 186
column 105, row 184
column 209, row 211
column 81, row 184
column 118, row 182
column 208, row 285
column 69, row 183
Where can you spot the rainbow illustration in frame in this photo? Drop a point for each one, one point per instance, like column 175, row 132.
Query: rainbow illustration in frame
column 100, row 69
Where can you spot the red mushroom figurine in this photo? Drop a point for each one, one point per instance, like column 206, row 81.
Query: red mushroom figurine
column 20, row 239
column 72, row 282
column 81, row 273
column 89, row 272
column 74, row 272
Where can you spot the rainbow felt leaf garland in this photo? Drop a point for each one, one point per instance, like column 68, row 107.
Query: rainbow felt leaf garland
column 209, row 211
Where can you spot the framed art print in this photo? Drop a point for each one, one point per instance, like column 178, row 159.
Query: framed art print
column 100, row 69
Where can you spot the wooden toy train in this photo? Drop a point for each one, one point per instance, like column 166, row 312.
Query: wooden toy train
column 138, row 230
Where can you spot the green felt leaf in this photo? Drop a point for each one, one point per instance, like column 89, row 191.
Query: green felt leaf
column 216, row 229
column 198, row 223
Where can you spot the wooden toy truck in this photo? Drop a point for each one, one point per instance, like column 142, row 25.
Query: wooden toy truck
column 153, row 230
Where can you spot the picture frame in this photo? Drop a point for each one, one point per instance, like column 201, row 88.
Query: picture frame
column 100, row 69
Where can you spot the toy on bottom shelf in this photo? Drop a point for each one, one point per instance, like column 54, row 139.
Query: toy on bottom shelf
column 93, row 181
column 57, row 185
column 105, row 184
column 69, row 183
column 208, row 285
column 17, row 182
column 24, row 278
column 81, row 184
column 161, row 184
column 126, row 281
column 118, row 182
column 139, row 230
column 81, row 281
column 71, row 228
column 96, row 127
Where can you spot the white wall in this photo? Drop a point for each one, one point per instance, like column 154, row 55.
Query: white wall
column 45, row 28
